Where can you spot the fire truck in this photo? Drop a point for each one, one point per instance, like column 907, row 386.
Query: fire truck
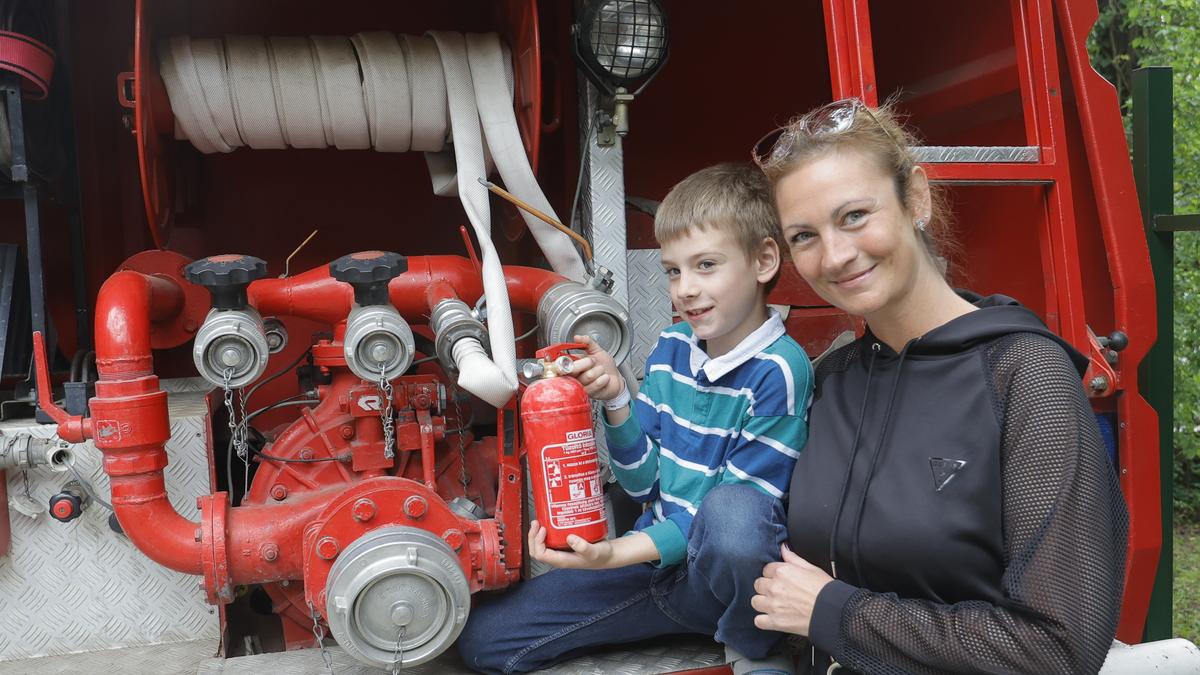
column 272, row 269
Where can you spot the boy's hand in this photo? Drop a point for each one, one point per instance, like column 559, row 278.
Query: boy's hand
column 582, row 556
column 597, row 371
column 628, row 550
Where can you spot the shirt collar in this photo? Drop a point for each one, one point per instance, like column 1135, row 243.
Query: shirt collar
column 754, row 343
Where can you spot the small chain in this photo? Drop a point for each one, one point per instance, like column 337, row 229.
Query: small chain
column 398, row 654
column 25, row 483
column 385, row 412
column 462, row 446
column 237, row 424
column 319, row 634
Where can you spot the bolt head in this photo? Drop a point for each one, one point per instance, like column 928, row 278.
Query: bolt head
column 269, row 552
column 347, row 431
column 363, row 510
column 197, row 535
column 306, row 453
column 279, row 492
column 415, row 507
column 327, row 548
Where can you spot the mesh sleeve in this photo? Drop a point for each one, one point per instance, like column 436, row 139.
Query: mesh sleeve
column 1064, row 544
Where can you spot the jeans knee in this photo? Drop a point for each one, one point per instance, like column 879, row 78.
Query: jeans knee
column 738, row 524
column 480, row 642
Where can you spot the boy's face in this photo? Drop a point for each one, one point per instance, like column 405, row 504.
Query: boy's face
column 716, row 288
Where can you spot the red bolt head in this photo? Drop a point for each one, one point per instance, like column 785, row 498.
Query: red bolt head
column 269, row 551
column 363, row 510
column 327, row 548
column 347, row 431
column 422, row 401
column 279, row 492
column 454, row 538
column 306, row 453
column 415, row 506
column 62, row 509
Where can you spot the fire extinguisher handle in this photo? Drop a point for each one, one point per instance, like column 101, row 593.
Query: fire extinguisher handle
column 554, row 352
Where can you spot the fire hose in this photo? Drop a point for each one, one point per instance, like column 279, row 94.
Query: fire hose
column 413, row 93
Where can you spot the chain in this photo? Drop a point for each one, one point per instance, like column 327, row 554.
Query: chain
column 385, row 412
column 462, row 446
column 319, row 634
column 25, row 484
column 238, row 430
column 398, row 654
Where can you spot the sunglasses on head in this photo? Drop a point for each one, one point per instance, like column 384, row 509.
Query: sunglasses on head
column 830, row 119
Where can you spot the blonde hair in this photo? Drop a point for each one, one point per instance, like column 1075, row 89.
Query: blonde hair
column 733, row 198
column 879, row 134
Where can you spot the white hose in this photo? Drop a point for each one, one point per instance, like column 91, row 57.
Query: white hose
column 393, row 93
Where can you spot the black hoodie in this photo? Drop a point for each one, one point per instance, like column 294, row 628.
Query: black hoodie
column 979, row 525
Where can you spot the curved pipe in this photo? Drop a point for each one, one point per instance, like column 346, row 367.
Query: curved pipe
column 315, row 295
column 128, row 303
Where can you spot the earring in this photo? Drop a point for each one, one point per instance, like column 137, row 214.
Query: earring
column 921, row 224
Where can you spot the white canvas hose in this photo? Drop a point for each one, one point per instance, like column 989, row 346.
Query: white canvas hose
column 444, row 94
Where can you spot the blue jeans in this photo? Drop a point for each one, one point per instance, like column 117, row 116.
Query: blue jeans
column 737, row 530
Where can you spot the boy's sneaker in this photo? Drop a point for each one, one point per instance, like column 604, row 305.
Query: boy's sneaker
column 779, row 663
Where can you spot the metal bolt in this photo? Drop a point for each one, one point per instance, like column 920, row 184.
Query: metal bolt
column 197, row 535
column 327, row 548
column 1098, row 383
column 230, row 356
column 402, row 613
column 454, row 538
column 306, row 453
column 279, row 492
column 363, row 510
column 269, row 551
column 382, row 352
column 415, row 507
column 347, row 431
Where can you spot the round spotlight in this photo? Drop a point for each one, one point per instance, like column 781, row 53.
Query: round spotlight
column 619, row 42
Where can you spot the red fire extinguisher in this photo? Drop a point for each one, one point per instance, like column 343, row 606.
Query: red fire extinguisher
column 556, row 416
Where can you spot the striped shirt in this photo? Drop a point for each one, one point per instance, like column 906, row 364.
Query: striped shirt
column 699, row 422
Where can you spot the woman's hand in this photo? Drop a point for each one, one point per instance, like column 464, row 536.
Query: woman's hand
column 787, row 593
column 597, row 371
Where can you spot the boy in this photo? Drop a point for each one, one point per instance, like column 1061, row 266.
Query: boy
column 708, row 445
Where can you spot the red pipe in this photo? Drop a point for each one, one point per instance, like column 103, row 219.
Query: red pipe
column 128, row 303
column 5, row 525
column 315, row 295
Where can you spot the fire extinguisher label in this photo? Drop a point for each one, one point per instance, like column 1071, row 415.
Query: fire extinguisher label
column 573, row 481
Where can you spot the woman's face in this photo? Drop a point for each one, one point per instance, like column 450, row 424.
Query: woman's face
column 849, row 235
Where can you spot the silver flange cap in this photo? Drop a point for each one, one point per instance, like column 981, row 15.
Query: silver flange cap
column 377, row 338
column 392, row 578
column 231, row 339
column 570, row 308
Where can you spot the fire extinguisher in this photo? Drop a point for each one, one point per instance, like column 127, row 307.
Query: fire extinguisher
column 564, row 467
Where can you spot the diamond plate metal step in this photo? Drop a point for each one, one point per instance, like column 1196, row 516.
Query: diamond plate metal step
column 663, row 656
column 176, row 657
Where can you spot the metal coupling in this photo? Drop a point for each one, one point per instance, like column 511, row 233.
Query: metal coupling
column 23, row 451
column 378, row 339
column 452, row 320
column 571, row 308
column 231, row 340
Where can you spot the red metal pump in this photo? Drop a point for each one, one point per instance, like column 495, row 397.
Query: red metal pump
column 564, row 467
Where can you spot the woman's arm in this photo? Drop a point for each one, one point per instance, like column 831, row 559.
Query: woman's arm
column 1064, row 539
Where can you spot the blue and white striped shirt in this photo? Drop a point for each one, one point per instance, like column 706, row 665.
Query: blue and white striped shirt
column 699, row 422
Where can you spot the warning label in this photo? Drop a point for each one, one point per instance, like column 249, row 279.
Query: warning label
column 572, row 476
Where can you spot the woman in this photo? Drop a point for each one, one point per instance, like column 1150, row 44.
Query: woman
column 954, row 509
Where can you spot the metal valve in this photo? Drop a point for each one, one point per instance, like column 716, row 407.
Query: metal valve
column 378, row 341
column 70, row 503
column 231, row 348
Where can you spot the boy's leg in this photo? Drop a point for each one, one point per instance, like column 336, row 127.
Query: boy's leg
column 560, row 613
column 737, row 531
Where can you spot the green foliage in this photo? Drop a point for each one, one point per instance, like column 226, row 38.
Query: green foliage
column 1136, row 33
column 1187, row 583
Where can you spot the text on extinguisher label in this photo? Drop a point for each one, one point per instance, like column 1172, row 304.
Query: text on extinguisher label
column 572, row 479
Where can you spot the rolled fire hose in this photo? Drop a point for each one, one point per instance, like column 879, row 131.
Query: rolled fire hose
column 374, row 90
